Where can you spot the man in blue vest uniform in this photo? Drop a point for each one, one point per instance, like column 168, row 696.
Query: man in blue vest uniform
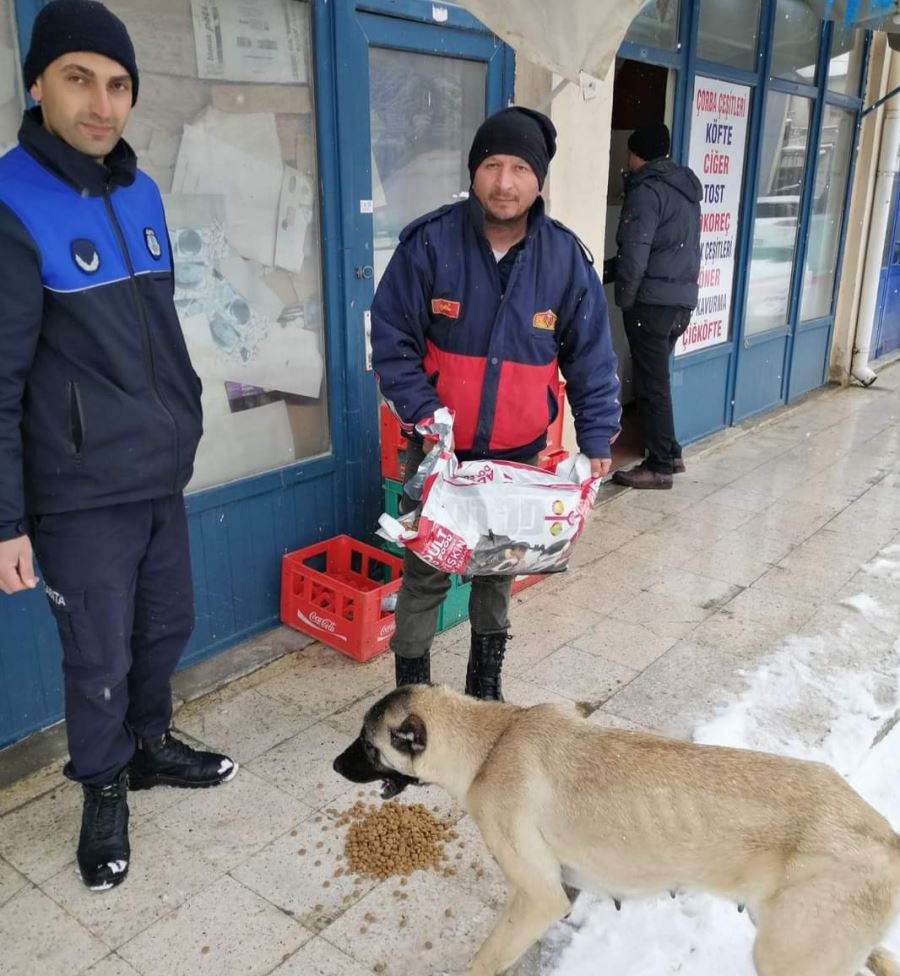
column 480, row 306
column 99, row 422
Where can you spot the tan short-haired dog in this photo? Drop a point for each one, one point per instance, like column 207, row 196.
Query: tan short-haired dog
column 560, row 801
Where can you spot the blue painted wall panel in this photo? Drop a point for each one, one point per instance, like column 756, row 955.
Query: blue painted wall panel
column 810, row 360
column 698, row 396
column 760, row 379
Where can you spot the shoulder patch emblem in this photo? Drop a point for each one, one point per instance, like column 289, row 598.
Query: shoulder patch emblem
column 446, row 307
column 545, row 320
column 152, row 243
column 85, row 255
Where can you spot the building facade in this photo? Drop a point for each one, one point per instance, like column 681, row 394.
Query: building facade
column 293, row 139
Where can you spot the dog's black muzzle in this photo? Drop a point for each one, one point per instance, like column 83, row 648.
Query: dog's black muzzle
column 359, row 763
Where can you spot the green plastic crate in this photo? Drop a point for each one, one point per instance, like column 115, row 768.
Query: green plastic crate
column 455, row 607
column 392, row 492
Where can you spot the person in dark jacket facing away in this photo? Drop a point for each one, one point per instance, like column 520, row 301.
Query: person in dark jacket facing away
column 655, row 272
column 480, row 306
column 99, row 422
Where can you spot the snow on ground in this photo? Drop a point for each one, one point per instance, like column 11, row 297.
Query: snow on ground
column 827, row 696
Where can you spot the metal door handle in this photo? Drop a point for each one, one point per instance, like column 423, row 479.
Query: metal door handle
column 364, row 271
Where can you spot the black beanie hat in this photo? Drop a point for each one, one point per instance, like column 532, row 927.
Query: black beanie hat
column 79, row 25
column 650, row 141
column 518, row 132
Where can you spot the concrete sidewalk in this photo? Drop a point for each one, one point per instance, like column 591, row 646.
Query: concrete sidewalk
column 672, row 595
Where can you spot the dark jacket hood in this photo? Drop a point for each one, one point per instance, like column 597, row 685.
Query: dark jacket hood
column 680, row 178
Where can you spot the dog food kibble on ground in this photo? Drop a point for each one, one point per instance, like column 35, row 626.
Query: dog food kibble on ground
column 393, row 839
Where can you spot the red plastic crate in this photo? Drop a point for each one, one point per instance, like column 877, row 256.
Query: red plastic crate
column 333, row 592
column 393, row 446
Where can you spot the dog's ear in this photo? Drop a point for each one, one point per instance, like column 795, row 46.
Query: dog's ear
column 410, row 738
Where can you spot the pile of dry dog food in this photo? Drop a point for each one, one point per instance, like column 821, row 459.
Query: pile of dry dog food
column 395, row 839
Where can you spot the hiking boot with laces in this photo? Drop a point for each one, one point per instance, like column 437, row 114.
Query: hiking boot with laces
column 164, row 761
column 485, row 665
column 103, row 848
column 412, row 670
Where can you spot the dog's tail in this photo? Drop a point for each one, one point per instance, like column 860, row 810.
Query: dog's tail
column 883, row 963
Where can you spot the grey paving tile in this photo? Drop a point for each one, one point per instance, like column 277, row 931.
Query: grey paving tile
column 337, row 680
column 112, row 965
column 702, row 591
column 301, row 767
column 40, row 838
column 730, row 563
column 228, row 824
column 772, row 609
column 301, row 878
column 10, row 882
column 580, row 676
column 633, row 646
column 431, row 942
column 687, row 683
column 246, row 725
column 162, row 874
column 663, row 615
column 40, row 939
column 226, row 930
column 320, row 958
column 815, row 583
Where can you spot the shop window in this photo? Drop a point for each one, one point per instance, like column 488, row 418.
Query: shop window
column 778, row 201
column 845, row 61
column 832, row 171
column 795, row 44
column 729, row 32
column 10, row 80
column 225, row 124
column 424, row 111
column 656, row 25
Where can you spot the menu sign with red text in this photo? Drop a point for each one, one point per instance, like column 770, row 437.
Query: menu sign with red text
column 718, row 137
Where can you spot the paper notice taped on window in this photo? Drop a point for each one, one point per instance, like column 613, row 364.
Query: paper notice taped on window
column 251, row 40
column 295, row 212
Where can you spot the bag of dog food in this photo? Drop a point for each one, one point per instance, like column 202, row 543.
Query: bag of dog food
column 482, row 518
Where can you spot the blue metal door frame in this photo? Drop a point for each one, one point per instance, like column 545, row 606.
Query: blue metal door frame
column 887, row 316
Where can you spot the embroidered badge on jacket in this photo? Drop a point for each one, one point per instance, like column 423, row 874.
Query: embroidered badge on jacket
column 152, row 243
column 85, row 255
column 446, row 307
column 545, row 320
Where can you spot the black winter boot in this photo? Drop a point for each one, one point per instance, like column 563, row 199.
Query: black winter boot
column 103, row 848
column 164, row 761
column 413, row 670
column 485, row 665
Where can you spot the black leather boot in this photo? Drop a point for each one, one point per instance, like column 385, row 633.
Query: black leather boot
column 413, row 670
column 165, row 761
column 485, row 665
column 103, row 848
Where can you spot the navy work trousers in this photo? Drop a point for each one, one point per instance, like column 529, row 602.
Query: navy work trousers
column 119, row 584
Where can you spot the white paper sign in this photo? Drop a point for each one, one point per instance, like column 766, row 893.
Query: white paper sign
column 250, row 40
column 718, row 138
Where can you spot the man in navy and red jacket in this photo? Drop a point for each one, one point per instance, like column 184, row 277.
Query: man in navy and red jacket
column 482, row 304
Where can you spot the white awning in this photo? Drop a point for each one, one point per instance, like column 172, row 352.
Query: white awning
column 573, row 36
column 566, row 36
